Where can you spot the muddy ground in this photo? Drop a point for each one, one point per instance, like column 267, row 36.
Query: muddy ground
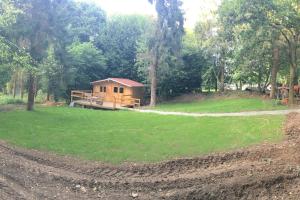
column 267, row 171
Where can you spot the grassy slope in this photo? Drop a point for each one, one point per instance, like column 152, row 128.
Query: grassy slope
column 128, row 136
column 222, row 105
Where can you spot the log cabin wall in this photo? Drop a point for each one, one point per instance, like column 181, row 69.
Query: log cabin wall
column 111, row 91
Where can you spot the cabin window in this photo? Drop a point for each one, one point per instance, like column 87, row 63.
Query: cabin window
column 104, row 89
column 121, row 90
column 115, row 89
column 101, row 89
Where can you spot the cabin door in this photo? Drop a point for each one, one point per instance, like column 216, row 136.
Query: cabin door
column 121, row 94
column 116, row 94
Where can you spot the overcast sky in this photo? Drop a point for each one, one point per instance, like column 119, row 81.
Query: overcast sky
column 194, row 9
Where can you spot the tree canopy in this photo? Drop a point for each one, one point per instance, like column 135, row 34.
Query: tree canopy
column 55, row 46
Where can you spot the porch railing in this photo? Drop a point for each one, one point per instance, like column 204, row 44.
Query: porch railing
column 127, row 99
column 81, row 94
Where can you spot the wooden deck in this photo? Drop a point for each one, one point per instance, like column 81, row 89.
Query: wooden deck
column 90, row 104
column 86, row 99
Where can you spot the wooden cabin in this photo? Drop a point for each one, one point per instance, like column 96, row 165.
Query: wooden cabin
column 111, row 93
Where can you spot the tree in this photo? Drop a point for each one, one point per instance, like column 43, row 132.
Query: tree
column 167, row 38
column 33, row 26
column 280, row 18
column 88, row 62
column 174, row 77
column 13, row 58
column 119, row 40
column 52, row 73
column 76, row 24
column 213, row 41
column 87, row 21
column 275, row 68
column 8, row 13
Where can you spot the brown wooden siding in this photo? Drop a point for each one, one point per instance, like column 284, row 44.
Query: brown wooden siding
column 124, row 98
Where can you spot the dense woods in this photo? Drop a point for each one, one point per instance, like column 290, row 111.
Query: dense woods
column 51, row 47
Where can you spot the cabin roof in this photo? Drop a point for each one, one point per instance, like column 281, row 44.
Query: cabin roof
column 122, row 81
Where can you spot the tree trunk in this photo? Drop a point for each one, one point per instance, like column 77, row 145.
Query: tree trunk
column 222, row 77
column 22, row 85
column 31, row 92
column 291, row 85
column 275, row 67
column 48, row 95
column 35, row 87
column 241, row 85
column 293, row 72
column 153, row 78
column 216, row 85
column 237, row 86
column 296, row 82
column 14, row 85
column 153, row 85
column 259, row 80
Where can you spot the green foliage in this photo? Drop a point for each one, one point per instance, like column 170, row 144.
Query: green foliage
column 124, row 136
column 52, row 75
column 169, row 26
column 88, row 61
column 5, row 74
column 8, row 13
column 87, row 23
column 185, row 75
column 194, row 62
column 119, row 42
column 255, row 28
column 215, row 44
column 67, row 44
column 4, row 99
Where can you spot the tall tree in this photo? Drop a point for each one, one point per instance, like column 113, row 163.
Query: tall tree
column 119, row 40
column 279, row 17
column 167, row 38
column 52, row 71
column 275, row 68
column 89, row 63
column 33, row 25
column 76, row 25
column 213, row 40
column 12, row 56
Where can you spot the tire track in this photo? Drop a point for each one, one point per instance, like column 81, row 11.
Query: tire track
column 11, row 187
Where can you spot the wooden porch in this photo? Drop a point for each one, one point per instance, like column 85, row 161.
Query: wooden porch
column 85, row 98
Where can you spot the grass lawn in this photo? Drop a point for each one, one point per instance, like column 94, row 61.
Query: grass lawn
column 118, row 136
column 222, row 105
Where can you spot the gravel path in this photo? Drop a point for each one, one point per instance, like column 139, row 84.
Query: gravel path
column 236, row 114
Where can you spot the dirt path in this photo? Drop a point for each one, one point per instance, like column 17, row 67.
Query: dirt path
column 237, row 114
column 267, row 171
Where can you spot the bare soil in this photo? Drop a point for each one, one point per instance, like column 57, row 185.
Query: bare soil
column 267, row 171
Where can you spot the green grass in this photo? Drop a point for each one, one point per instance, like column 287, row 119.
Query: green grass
column 124, row 136
column 222, row 105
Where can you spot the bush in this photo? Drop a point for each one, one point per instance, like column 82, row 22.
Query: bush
column 41, row 97
column 15, row 101
column 10, row 100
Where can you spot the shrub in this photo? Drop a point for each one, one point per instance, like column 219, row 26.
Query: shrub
column 10, row 100
column 14, row 101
